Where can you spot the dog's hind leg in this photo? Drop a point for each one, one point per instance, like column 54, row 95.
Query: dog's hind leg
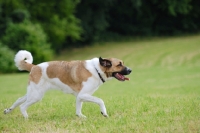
column 33, row 96
column 18, row 102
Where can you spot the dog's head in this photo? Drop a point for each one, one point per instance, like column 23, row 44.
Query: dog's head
column 114, row 68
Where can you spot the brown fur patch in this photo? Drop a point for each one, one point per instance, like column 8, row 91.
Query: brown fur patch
column 26, row 66
column 70, row 73
column 35, row 74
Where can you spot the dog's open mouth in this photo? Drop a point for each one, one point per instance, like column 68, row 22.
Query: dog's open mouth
column 120, row 77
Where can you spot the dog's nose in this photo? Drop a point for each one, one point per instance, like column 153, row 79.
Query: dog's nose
column 129, row 70
column 126, row 71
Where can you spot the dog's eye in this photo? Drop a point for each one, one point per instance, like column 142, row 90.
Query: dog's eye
column 120, row 64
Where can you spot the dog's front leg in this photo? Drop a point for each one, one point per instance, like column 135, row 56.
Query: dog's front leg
column 88, row 98
column 79, row 107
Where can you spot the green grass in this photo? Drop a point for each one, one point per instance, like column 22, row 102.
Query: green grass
column 163, row 94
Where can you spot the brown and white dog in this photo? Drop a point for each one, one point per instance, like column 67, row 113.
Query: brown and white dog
column 80, row 78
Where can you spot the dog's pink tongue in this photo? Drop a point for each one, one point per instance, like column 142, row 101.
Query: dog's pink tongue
column 126, row 78
column 121, row 77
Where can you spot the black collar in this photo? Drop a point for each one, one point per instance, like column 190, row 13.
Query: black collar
column 100, row 76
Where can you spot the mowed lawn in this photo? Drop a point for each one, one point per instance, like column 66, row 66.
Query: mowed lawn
column 163, row 94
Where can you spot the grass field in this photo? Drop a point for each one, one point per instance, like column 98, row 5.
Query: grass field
column 163, row 94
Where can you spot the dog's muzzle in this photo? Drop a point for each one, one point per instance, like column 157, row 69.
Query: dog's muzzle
column 120, row 75
column 126, row 71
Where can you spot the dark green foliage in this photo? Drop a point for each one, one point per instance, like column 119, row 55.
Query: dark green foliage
column 9, row 12
column 154, row 17
column 113, row 18
column 19, row 16
column 6, row 59
column 28, row 36
column 71, row 23
column 93, row 15
column 55, row 17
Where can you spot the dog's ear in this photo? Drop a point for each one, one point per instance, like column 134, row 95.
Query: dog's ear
column 105, row 62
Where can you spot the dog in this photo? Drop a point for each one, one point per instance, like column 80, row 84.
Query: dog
column 80, row 78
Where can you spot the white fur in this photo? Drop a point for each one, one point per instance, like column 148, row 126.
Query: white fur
column 23, row 55
column 35, row 92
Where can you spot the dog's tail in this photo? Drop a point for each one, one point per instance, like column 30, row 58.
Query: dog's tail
column 23, row 60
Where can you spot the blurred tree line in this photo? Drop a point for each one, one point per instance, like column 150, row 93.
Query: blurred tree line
column 45, row 27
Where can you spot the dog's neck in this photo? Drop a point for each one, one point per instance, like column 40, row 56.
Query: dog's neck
column 100, row 76
column 97, row 68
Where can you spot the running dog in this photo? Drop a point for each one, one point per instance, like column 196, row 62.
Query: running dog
column 80, row 78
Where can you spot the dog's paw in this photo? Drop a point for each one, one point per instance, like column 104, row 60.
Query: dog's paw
column 105, row 115
column 6, row 111
column 81, row 116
